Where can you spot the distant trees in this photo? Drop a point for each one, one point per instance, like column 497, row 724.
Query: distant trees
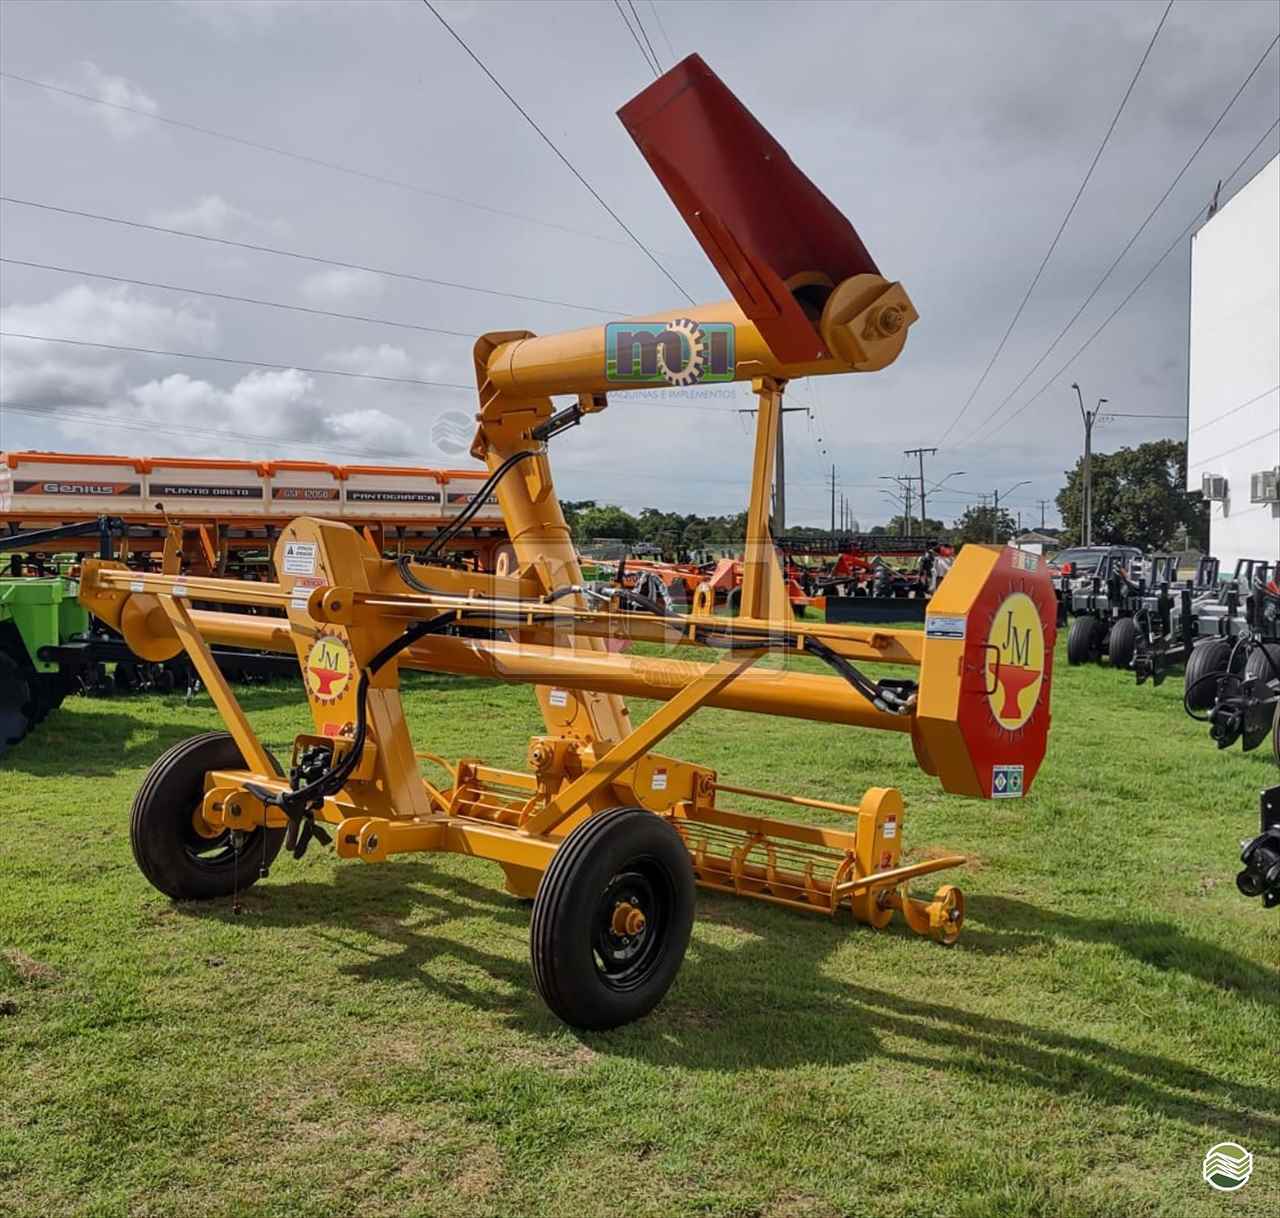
column 983, row 524
column 900, row 525
column 672, row 531
column 1138, row 498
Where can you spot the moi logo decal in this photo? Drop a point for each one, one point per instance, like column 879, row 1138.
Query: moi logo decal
column 1015, row 658
column 681, row 352
column 329, row 668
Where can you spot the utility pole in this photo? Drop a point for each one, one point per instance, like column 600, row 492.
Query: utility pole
column 833, row 498
column 995, row 513
column 780, row 471
column 1089, row 417
column 1044, row 503
column 920, row 454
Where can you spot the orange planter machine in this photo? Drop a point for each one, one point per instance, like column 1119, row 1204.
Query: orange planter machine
column 608, row 836
column 201, row 515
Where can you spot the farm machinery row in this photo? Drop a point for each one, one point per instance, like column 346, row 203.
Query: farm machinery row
column 52, row 647
column 873, row 568
column 1225, row 632
column 226, row 517
column 608, row 835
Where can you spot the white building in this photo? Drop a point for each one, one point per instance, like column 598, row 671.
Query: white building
column 1233, row 425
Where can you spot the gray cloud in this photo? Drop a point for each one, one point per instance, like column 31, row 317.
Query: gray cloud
column 954, row 135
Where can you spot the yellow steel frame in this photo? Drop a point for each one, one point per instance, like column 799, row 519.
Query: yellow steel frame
column 350, row 603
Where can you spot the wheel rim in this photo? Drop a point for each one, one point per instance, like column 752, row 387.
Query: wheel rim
column 629, row 931
column 216, row 852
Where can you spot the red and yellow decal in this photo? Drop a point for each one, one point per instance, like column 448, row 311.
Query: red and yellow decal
column 1016, row 661
column 329, row 668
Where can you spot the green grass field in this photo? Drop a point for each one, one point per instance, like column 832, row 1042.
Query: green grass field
column 366, row 1040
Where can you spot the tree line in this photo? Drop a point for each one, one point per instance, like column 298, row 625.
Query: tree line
column 1138, row 499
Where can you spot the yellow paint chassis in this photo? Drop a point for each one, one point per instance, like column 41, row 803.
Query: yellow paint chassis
column 605, row 833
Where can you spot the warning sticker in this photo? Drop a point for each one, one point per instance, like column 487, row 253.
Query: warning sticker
column 891, row 827
column 938, row 627
column 300, row 557
column 558, row 697
column 1006, row 782
column 303, row 587
column 659, row 780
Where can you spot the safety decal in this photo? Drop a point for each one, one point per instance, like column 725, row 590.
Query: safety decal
column 1006, row 782
column 938, row 627
column 299, row 557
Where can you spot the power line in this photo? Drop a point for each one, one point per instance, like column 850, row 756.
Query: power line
column 1129, row 244
column 253, row 300
column 283, row 253
column 972, row 439
column 1234, row 409
column 622, row 16
column 662, row 29
column 1234, row 449
column 546, row 139
column 645, row 35
column 364, row 376
column 100, row 420
column 381, row 179
column 1097, row 156
column 226, row 359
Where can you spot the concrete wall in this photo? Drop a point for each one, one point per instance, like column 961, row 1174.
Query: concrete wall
column 1233, row 426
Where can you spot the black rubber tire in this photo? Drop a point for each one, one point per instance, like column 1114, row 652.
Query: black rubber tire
column 1275, row 735
column 1084, row 641
column 47, row 692
column 1122, row 642
column 611, row 855
column 1207, row 656
column 15, row 696
column 166, row 847
column 1258, row 664
column 733, row 602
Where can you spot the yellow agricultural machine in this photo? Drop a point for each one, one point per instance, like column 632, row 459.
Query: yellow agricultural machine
column 606, row 835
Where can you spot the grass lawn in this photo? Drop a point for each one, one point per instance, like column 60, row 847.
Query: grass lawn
column 366, row 1040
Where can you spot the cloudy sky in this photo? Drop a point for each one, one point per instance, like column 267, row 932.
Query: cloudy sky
column 953, row 135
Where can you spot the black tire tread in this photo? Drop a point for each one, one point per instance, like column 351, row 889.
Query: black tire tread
column 553, row 892
column 1122, row 641
column 159, row 772
column 1208, row 655
column 1082, row 646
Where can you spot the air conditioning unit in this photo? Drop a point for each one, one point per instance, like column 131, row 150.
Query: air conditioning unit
column 1264, row 486
column 1214, row 487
